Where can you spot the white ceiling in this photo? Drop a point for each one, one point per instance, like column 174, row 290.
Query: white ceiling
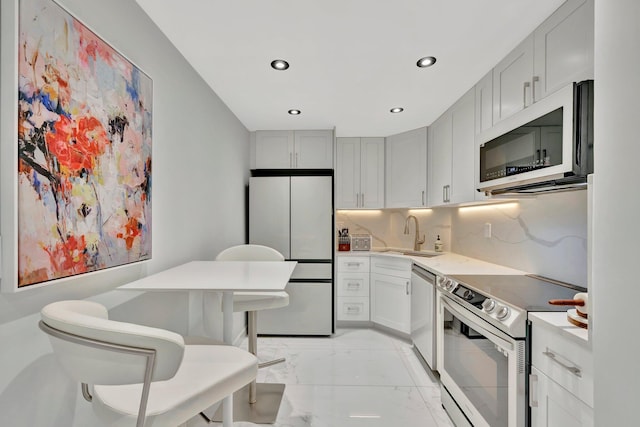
column 351, row 60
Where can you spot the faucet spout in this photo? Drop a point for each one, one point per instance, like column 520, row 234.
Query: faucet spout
column 417, row 240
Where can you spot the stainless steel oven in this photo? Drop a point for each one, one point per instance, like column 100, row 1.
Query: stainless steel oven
column 482, row 345
column 483, row 369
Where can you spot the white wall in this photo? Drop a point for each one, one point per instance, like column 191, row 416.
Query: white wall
column 616, row 285
column 546, row 235
column 200, row 169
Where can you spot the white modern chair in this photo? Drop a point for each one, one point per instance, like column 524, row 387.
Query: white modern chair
column 252, row 302
column 141, row 376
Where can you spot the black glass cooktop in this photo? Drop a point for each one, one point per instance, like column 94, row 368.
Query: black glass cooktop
column 524, row 292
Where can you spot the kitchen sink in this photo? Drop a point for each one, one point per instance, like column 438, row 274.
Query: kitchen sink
column 410, row 253
column 420, row 254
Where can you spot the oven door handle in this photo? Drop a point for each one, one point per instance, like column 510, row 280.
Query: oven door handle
column 504, row 342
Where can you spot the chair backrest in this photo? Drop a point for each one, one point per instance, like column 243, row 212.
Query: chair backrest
column 86, row 360
column 250, row 253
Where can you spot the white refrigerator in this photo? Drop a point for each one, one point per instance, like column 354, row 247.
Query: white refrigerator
column 294, row 215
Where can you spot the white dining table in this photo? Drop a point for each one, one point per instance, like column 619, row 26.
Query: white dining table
column 225, row 277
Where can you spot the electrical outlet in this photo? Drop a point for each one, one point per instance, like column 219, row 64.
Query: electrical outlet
column 487, row 230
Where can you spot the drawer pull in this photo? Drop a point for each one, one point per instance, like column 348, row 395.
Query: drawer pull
column 353, row 309
column 354, row 263
column 573, row 369
column 352, row 285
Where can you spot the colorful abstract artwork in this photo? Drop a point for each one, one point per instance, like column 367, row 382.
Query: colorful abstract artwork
column 84, row 150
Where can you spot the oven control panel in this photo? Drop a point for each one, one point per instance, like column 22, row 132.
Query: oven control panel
column 490, row 309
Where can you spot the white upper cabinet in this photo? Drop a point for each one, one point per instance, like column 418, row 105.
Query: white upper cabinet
column 360, row 173
column 463, row 147
column 440, row 151
column 406, row 169
column 451, row 154
column 559, row 51
column 347, row 173
column 274, row 149
column 484, row 103
column 372, row 172
column 512, row 81
column 301, row 149
column 313, row 149
column 564, row 47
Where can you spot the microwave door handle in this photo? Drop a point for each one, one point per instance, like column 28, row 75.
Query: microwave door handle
column 504, row 343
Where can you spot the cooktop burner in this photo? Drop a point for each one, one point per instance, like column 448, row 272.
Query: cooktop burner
column 527, row 293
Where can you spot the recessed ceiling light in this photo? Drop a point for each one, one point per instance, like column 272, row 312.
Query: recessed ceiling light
column 294, row 112
column 427, row 61
column 279, row 64
column 397, row 110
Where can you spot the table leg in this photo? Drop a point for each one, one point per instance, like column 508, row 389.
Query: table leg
column 227, row 317
column 227, row 334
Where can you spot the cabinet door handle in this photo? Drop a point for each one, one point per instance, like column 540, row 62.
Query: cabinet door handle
column 422, row 197
column 407, row 288
column 296, row 165
column 533, row 394
column 573, row 369
column 534, row 80
column 524, row 94
column 444, row 193
column 362, row 200
column 290, row 160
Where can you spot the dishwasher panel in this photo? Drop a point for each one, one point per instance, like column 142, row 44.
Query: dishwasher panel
column 423, row 314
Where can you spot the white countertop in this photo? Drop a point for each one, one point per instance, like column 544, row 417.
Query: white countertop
column 558, row 321
column 444, row 263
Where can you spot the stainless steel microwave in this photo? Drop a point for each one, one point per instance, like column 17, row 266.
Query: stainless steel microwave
column 546, row 147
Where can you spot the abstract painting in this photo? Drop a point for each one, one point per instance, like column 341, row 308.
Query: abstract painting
column 84, row 150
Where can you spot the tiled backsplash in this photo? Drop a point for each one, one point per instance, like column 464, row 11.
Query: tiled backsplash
column 545, row 235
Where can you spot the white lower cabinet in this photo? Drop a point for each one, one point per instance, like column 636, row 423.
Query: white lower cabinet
column 553, row 406
column 352, row 288
column 391, row 293
column 561, row 379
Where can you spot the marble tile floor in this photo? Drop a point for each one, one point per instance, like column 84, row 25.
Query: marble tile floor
column 358, row 377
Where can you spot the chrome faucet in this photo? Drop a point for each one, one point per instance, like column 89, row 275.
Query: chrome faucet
column 417, row 242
